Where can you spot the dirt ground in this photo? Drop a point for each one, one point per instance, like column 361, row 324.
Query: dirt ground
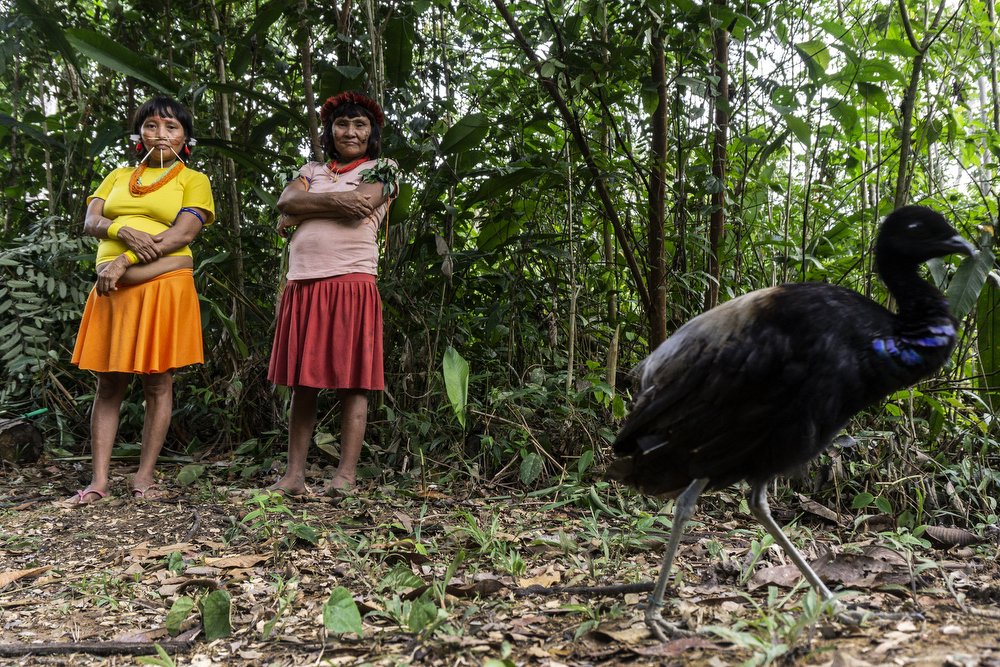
column 101, row 580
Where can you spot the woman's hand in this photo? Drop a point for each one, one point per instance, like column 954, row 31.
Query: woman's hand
column 109, row 273
column 146, row 246
column 285, row 223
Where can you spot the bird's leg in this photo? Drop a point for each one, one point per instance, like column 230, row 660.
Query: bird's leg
column 683, row 509
column 758, row 505
column 757, row 500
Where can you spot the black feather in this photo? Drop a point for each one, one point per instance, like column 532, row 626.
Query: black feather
column 763, row 383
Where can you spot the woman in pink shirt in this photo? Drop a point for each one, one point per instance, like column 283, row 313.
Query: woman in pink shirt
column 329, row 328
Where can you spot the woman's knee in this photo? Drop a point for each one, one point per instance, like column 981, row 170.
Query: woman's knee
column 111, row 386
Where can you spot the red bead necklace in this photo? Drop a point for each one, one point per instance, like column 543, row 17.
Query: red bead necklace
column 337, row 170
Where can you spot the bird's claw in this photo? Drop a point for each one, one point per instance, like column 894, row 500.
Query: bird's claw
column 854, row 617
column 662, row 629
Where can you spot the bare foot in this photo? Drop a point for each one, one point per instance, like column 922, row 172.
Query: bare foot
column 289, row 489
column 339, row 487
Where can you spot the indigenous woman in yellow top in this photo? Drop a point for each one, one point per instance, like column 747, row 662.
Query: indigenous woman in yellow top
column 142, row 317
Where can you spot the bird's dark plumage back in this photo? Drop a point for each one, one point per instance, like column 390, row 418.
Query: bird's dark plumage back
column 762, row 383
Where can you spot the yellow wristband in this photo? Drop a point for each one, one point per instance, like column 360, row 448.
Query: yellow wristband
column 132, row 257
column 113, row 228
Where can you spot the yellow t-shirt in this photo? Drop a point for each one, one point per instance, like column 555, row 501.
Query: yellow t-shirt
column 152, row 213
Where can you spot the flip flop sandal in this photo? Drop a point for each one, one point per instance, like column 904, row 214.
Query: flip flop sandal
column 82, row 494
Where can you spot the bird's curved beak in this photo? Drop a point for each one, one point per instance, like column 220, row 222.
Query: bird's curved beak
column 960, row 244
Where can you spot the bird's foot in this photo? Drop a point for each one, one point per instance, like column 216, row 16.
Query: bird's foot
column 662, row 629
column 855, row 617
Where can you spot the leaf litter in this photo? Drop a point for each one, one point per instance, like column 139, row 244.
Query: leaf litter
column 456, row 575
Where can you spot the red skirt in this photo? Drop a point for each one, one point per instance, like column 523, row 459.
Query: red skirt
column 329, row 334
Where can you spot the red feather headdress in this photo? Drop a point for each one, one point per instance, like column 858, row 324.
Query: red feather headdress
column 351, row 97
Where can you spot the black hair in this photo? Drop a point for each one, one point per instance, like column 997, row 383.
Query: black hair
column 164, row 107
column 350, row 110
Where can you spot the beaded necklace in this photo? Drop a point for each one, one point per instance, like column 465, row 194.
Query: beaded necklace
column 136, row 187
column 337, row 170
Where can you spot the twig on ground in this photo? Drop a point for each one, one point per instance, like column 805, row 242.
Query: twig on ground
column 617, row 589
column 195, row 526
column 91, row 648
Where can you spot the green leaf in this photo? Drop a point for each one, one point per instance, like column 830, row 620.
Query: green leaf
column 800, row 129
column 397, row 48
column 897, row 47
column 862, row 500
column 466, row 134
column 304, row 532
column 816, row 55
column 497, row 230
column 503, row 183
column 119, row 58
column 988, row 339
column 340, row 613
column 531, row 467
column 456, row 381
column 190, row 473
column 178, row 613
column 963, row 292
column 215, row 613
column 399, row 579
column 423, row 613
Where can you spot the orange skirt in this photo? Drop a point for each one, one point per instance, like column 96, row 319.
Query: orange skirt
column 329, row 334
column 152, row 327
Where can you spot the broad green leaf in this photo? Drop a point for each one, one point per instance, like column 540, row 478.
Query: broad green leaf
column 456, row 381
column 190, row 473
column 215, row 615
column 988, row 342
column 897, row 47
column 497, row 230
column 423, row 613
column 397, row 48
column 340, row 613
column 531, row 467
column 304, row 532
column 466, row 134
column 119, row 58
column 816, row 55
column 862, row 500
column 178, row 613
column 501, row 184
column 800, row 129
column 400, row 579
column 963, row 292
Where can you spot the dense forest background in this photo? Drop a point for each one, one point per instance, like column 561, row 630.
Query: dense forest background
column 580, row 179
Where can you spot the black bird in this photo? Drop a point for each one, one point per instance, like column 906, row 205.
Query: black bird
column 761, row 384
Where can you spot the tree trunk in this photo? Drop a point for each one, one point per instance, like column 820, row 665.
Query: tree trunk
column 232, row 212
column 717, row 223
column 305, row 55
column 657, row 195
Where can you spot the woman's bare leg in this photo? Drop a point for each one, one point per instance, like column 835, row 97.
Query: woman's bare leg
column 104, row 417
column 158, row 389
column 353, row 422
column 301, row 422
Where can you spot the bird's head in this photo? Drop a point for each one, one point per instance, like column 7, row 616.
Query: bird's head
column 915, row 234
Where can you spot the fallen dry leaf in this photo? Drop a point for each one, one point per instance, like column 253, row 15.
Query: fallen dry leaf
column 10, row 576
column 240, row 561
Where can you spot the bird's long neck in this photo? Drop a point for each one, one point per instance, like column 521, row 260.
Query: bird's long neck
column 921, row 305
